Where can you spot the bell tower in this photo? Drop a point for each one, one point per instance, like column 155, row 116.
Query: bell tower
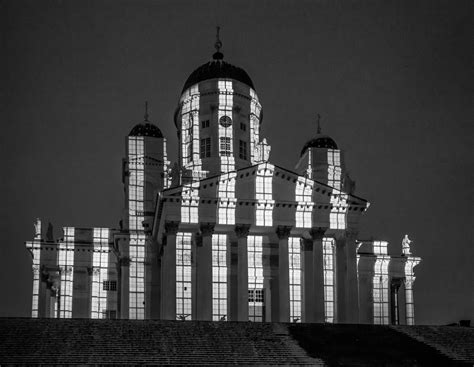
column 145, row 174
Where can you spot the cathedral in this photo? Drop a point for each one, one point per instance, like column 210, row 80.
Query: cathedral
column 223, row 234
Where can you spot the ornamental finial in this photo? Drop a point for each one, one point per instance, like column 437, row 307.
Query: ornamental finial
column 218, row 43
column 218, row 54
column 146, row 111
column 319, row 124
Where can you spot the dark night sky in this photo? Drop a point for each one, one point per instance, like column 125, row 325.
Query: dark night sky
column 392, row 80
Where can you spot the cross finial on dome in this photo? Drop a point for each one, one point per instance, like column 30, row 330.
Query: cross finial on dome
column 218, row 43
column 218, row 55
column 146, row 111
column 319, row 124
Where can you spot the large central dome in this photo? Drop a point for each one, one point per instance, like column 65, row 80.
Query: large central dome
column 218, row 68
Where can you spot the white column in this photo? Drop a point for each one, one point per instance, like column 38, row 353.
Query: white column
column 242, row 232
column 283, row 232
column 204, row 273
column 318, row 273
column 168, row 275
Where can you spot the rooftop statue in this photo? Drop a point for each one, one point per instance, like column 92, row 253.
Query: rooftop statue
column 406, row 245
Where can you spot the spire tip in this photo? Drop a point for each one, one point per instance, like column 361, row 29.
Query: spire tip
column 146, row 111
column 218, row 54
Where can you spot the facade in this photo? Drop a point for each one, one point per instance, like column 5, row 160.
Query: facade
column 223, row 234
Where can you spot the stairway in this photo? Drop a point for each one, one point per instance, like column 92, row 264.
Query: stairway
column 453, row 341
column 84, row 341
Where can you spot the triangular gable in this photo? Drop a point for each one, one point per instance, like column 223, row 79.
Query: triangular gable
column 284, row 182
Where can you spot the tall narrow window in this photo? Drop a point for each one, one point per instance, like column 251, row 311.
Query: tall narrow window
column 137, row 276
column 190, row 203
column 136, row 157
column 204, row 124
column 226, row 203
column 66, row 266
column 381, row 291
column 304, row 209
column 242, row 149
column 183, row 276
column 294, row 254
column 35, row 247
column 256, row 297
column 329, row 291
column 100, row 264
column 263, row 194
column 338, row 214
column 190, row 128
column 136, row 182
column 219, row 277
column 243, row 127
column 205, row 147
column 254, row 123
column 334, row 168
column 225, row 146
column 225, row 130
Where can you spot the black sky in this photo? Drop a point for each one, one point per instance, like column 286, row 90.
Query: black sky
column 392, row 80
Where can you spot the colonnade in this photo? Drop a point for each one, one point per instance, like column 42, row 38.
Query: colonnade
column 345, row 298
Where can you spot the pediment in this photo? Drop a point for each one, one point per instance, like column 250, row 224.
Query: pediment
column 284, row 183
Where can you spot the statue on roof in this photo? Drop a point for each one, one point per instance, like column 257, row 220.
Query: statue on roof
column 406, row 245
column 37, row 225
column 49, row 233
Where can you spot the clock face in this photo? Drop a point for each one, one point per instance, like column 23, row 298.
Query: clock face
column 225, row 121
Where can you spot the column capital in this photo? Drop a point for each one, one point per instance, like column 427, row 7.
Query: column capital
column 317, row 233
column 306, row 244
column 207, row 229
column 283, row 232
column 242, row 230
column 340, row 240
column 396, row 283
column 409, row 281
column 171, row 228
column 198, row 239
column 351, row 233
column 124, row 261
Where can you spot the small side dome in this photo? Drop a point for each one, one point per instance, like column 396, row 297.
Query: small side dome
column 320, row 141
column 146, row 129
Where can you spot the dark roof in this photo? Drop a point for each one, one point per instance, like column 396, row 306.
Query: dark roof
column 25, row 341
column 146, row 129
column 320, row 141
column 217, row 68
